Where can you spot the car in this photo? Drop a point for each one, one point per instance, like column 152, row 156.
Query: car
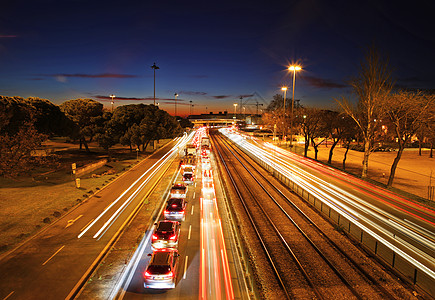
column 179, row 190
column 165, row 235
column 207, row 186
column 206, row 165
column 175, row 209
column 207, row 175
column 188, row 175
column 161, row 272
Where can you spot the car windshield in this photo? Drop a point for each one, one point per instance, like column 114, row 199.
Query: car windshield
column 158, row 269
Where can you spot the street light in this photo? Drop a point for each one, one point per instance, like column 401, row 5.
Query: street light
column 235, row 112
column 175, row 95
column 154, row 67
column 294, row 69
column 112, row 96
column 284, row 88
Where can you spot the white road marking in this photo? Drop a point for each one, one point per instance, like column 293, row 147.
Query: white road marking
column 190, row 229
column 71, row 222
column 53, row 255
column 185, row 267
column 191, row 213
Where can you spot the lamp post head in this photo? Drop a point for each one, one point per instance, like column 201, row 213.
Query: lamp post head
column 284, row 88
column 175, row 95
column 154, row 67
column 294, row 68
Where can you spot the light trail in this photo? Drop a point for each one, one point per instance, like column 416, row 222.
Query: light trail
column 353, row 208
column 180, row 142
column 215, row 260
column 127, row 275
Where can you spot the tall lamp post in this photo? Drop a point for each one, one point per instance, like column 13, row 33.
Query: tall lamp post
column 154, row 67
column 175, row 95
column 284, row 88
column 112, row 96
column 294, row 69
column 235, row 110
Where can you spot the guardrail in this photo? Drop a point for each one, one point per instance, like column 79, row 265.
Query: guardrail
column 411, row 273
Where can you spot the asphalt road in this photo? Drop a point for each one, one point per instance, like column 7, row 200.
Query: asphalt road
column 55, row 262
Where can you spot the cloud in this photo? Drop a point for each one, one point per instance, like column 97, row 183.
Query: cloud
column 103, row 75
column 8, row 36
column 246, row 96
column 193, row 93
column 323, row 83
column 116, row 98
column 221, row 96
column 36, row 78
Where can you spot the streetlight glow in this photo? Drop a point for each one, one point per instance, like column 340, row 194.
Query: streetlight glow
column 294, row 69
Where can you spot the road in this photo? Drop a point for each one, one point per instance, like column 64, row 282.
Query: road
column 55, row 263
column 404, row 227
column 203, row 270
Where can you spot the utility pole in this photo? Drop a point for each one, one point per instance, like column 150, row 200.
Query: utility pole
column 175, row 95
column 112, row 96
column 154, row 67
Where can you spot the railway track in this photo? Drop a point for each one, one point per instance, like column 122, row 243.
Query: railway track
column 305, row 261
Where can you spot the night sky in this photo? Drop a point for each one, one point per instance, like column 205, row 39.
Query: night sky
column 210, row 53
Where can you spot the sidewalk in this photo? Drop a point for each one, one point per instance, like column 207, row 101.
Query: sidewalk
column 414, row 173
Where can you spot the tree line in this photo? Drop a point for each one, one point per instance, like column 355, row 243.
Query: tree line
column 382, row 113
column 26, row 123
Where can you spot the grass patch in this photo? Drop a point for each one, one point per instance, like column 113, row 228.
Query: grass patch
column 28, row 204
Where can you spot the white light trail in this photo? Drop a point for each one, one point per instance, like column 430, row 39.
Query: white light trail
column 341, row 201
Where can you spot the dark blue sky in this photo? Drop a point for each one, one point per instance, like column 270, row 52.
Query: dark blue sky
column 209, row 53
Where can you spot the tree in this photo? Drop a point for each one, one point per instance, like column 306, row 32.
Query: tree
column 310, row 122
column 47, row 117
column 336, row 126
column 274, row 115
column 87, row 115
column 408, row 112
column 16, row 146
column 372, row 87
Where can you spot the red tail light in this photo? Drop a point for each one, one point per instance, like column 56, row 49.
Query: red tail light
column 170, row 274
column 147, row 274
column 173, row 237
column 166, row 212
column 154, row 237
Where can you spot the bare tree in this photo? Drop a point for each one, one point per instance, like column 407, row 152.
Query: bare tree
column 310, row 122
column 371, row 87
column 408, row 111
